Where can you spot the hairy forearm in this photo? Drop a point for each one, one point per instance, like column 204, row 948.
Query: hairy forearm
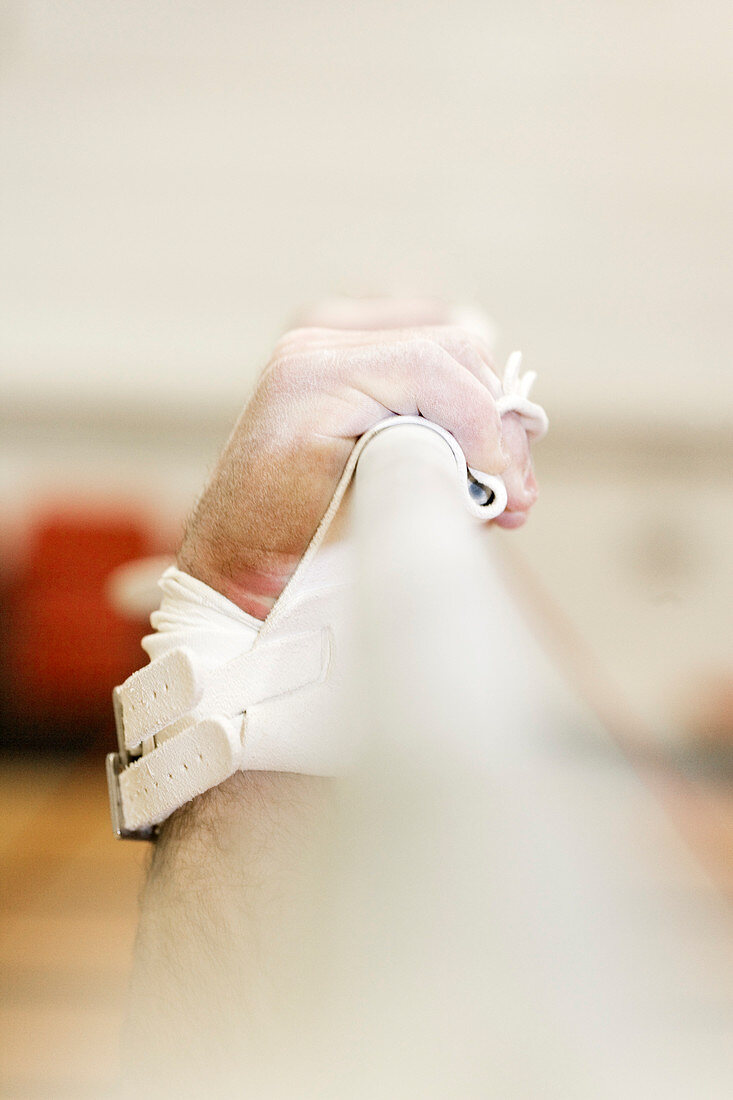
column 227, row 938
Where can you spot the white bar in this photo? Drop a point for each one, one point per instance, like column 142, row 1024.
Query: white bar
column 505, row 899
column 440, row 632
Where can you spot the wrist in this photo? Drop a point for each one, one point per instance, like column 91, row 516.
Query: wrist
column 253, row 588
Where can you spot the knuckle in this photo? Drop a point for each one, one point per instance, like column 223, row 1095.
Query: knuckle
column 298, row 367
column 424, row 348
column 463, row 345
column 284, row 368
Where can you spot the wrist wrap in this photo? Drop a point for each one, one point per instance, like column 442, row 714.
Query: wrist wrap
column 225, row 692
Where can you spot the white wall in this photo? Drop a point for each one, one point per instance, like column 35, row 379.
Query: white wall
column 176, row 178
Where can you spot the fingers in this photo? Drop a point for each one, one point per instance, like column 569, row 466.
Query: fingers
column 442, row 372
column 318, row 336
column 511, row 520
column 468, row 348
column 418, row 376
column 519, row 479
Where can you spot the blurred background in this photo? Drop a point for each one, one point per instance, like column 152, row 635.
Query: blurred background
column 177, row 180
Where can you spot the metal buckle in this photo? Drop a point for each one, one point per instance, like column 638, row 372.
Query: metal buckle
column 116, row 763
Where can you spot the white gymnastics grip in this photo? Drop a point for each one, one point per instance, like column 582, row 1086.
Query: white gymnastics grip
column 485, row 495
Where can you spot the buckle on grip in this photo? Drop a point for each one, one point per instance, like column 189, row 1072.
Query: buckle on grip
column 116, row 762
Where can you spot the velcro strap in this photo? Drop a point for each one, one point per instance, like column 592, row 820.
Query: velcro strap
column 181, row 768
column 159, row 694
column 267, row 671
column 171, row 687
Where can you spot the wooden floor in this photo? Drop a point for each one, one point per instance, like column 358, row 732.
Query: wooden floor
column 67, row 925
column 68, row 916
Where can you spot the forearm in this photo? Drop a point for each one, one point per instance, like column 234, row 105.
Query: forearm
column 227, row 934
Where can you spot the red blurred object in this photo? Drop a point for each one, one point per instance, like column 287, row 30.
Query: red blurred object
column 65, row 647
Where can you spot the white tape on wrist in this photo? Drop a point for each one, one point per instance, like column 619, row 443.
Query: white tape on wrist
column 194, row 615
column 225, row 692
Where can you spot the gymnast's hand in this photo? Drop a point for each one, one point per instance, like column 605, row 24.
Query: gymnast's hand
column 324, row 386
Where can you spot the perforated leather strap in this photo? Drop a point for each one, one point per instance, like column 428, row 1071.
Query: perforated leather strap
column 200, row 757
column 174, row 685
column 197, row 717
